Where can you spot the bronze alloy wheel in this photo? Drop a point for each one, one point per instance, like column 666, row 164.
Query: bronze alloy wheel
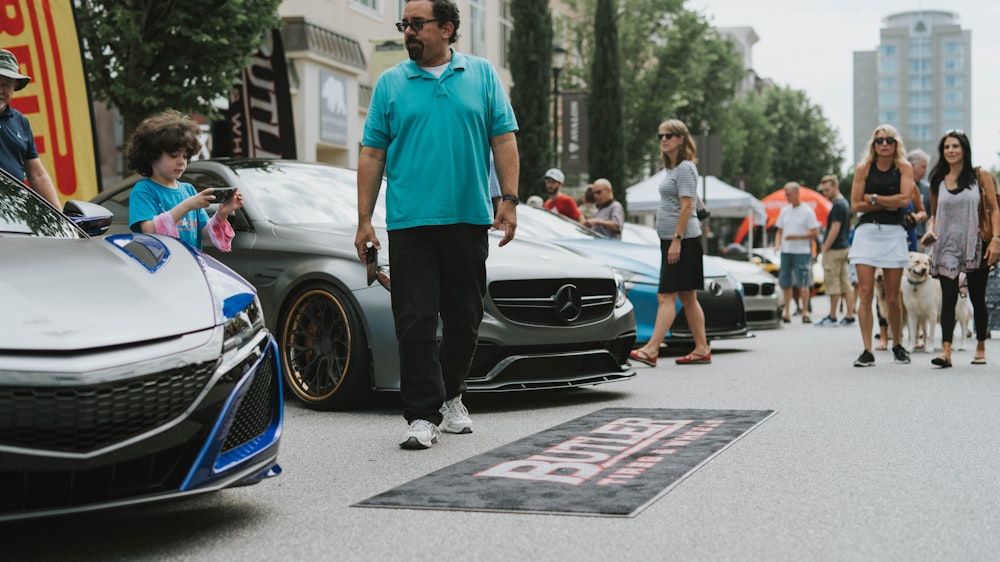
column 322, row 343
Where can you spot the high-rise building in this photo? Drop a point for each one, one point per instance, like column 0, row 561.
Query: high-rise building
column 919, row 80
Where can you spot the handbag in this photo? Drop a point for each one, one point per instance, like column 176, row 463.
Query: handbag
column 985, row 203
column 701, row 209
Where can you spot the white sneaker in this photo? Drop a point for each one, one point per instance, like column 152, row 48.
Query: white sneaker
column 456, row 416
column 420, row 435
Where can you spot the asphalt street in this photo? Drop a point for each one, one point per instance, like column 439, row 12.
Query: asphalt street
column 892, row 462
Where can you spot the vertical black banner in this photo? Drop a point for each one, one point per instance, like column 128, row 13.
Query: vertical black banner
column 260, row 123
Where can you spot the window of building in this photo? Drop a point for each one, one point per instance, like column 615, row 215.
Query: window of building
column 920, row 133
column 370, row 4
column 953, row 81
column 920, row 66
column 918, row 83
column 888, row 66
column 954, row 115
column 888, row 116
column 887, row 84
column 920, row 99
column 888, row 50
column 888, row 99
column 478, row 34
column 400, row 5
column 953, row 63
column 953, row 47
column 920, row 116
column 953, row 98
column 920, row 47
column 506, row 26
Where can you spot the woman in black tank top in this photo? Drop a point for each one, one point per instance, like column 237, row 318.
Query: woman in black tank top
column 883, row 186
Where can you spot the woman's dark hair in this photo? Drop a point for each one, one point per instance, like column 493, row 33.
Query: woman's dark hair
column 167, row 132
column 941, row 168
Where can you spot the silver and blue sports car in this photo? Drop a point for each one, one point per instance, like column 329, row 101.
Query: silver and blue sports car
column 132, row 367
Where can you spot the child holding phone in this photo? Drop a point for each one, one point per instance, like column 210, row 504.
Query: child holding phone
column 160, row 149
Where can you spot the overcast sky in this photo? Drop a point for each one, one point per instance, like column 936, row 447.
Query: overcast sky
column 809, row 45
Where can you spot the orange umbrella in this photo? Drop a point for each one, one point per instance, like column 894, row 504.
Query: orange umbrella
column 775, row 201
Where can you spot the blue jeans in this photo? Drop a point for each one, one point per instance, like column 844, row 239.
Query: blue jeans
column 438, row 273
column 795, row 270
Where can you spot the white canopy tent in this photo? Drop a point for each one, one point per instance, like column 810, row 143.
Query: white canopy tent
column 721, row 198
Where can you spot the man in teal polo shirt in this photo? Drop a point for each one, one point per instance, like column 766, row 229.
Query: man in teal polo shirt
column 431, row 125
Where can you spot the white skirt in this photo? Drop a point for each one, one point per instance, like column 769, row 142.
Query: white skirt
column 880, row 245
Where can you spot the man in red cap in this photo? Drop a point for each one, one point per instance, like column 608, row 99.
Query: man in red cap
column 18, row 153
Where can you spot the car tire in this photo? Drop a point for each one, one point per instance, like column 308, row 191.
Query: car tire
column 323, row 349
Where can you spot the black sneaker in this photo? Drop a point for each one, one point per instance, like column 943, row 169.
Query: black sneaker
column 866, row 359
column 900, row 354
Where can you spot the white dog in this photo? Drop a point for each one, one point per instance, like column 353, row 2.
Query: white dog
column 963, row 312
column 922, row 299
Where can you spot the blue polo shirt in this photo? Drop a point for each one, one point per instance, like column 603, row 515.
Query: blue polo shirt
column 436, row 132
column 17, row 143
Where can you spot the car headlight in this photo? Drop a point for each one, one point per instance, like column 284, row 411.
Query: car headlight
column 243, row 325
column 620, row 294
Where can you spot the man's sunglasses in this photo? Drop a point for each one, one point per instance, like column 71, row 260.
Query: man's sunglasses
column 415, row 25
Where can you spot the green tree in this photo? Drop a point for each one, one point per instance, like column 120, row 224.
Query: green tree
column 531, row 94
column 143, row 56
column 673, row 63
column 694, row 77
column 777, row 136
column 606, row 158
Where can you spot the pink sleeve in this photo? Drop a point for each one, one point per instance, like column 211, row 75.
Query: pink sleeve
column 163, row 223
column 221, row 233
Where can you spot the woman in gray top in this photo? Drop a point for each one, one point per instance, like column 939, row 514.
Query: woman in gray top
column 681, row 269
column 965, row 224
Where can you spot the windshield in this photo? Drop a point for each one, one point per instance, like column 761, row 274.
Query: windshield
column 24, row 213
column 545, row 226
column 299, row 193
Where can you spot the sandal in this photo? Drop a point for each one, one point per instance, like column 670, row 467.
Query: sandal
column 943, row 362
column 694, row 359
column 979, row 360
column 642, row 357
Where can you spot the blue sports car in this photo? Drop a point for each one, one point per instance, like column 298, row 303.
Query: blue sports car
column 639, row 265
column 132, row 367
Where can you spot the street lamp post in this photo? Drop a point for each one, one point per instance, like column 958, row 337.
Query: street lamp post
column 558, row 61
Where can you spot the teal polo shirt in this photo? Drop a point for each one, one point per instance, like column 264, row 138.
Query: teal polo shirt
column 436, row 133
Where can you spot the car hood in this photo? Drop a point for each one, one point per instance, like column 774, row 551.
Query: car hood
column 519, row 258
column 98, row 312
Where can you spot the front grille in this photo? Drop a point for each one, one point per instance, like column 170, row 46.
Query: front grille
column 86, row 418
column 256, row 410
column 758, row 289
column 159, row 472
column 537, row 301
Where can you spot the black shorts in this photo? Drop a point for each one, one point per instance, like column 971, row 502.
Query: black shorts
column 685, row 275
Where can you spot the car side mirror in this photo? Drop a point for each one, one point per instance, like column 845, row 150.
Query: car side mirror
column 92, row 218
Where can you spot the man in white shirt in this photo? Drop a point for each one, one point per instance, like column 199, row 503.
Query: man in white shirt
column 797, row 228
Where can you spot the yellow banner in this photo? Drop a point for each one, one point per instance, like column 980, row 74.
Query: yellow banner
column 42, row 35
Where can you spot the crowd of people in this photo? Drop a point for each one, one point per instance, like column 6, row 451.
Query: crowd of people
column 953, row 217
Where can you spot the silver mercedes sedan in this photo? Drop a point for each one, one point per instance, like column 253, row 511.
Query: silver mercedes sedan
column 553, row 319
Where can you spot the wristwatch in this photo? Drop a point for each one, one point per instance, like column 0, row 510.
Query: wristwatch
column 510, row 198
column 678, row 236
column 874, row 198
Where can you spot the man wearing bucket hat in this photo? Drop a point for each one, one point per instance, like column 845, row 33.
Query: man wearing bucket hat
column 558, row 202
column 18, row 154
